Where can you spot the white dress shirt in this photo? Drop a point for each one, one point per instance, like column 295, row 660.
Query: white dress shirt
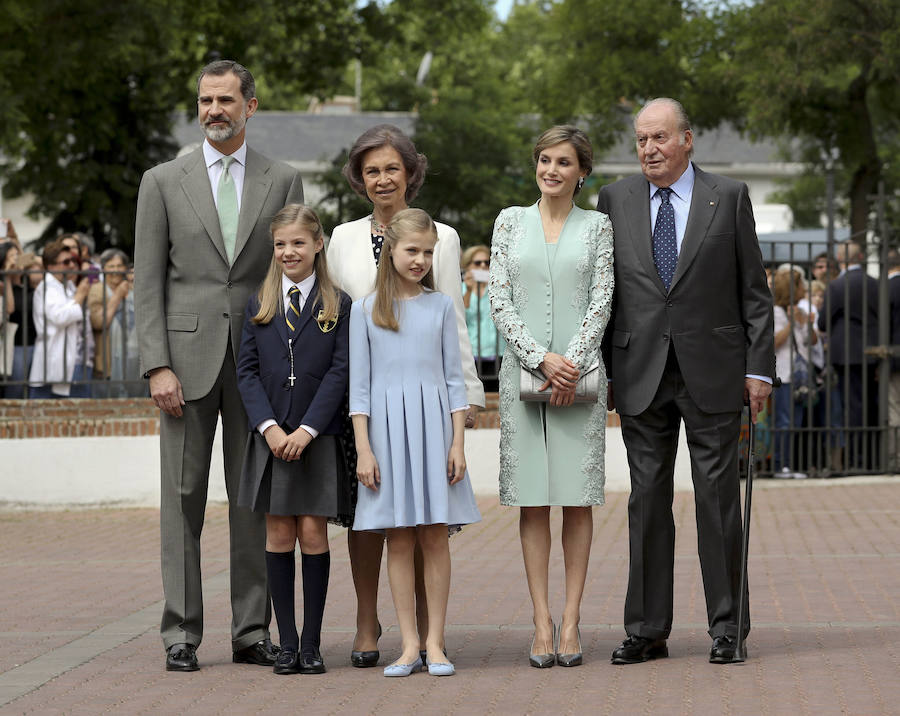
column 214, row 168
column 305, row 286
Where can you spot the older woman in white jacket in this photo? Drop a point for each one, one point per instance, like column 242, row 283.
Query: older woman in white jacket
column 385, row 168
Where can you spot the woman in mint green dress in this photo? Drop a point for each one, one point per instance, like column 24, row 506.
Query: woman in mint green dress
column 551, row 285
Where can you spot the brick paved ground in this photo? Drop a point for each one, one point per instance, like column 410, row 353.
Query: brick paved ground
column 79, row 610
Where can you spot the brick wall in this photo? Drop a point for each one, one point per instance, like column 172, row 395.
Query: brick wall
column 125, row 416
column 76, row 418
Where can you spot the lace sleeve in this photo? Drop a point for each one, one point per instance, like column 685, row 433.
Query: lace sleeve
column 583, row 347
column 508, row 231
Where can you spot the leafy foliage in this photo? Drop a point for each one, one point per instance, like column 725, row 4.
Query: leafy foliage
column 104, row 78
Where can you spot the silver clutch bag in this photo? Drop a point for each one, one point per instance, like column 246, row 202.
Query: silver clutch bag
column 587, row 389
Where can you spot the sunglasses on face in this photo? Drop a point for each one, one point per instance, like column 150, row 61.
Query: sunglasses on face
column 67, row 262
column 482, row 262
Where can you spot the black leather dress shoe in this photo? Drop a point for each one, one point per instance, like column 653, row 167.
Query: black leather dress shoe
column 262, row 653
column 722, row 651
column 288, row 661
column 182, row 657
column 311, row 662
column 637, row 649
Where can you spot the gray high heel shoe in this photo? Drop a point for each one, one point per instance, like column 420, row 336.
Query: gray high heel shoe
column 543, row 661
column 573, row 659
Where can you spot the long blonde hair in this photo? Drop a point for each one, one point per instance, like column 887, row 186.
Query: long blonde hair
column 271, row 301
column 387, row 283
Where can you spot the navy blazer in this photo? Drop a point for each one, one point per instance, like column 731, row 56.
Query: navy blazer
column 321, row 369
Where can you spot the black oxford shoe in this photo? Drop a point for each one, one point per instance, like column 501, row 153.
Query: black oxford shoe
column 311, row 662
column 262, row 653
column 637, row 649
column 181, row 657
column 722, row 651
column 287, row 661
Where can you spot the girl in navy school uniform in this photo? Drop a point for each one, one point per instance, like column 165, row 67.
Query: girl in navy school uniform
column 292, row 375
column 408, row 406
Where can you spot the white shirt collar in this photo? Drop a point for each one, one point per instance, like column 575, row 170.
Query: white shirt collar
column 305, row 286
column 682, row 187
column 211, row 155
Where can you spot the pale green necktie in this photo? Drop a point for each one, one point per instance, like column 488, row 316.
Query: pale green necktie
column 226, row 203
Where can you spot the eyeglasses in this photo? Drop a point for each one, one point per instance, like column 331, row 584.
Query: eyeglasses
column 482, row 262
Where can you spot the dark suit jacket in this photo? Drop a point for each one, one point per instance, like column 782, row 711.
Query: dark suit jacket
column 321, row 369
column 894, row 292
column 718, row 312
column 844, row 299
column 188, row 299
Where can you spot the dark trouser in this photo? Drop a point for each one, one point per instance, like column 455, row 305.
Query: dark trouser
column 862, row 444
column 185, row 452
column 651, row 440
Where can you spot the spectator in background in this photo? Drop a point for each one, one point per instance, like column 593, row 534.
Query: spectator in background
column 893, row 266
column 794, row 334
column 26, row 275
column 59, row 349
column 487, row 346
column 111, row 309
column 33, row 270
column 8, row 325
column 824, row 268
column 850, row 316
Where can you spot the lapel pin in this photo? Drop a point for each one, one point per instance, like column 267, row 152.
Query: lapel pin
column 712, row 203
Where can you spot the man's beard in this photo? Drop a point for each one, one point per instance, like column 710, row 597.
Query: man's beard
column 231, row 128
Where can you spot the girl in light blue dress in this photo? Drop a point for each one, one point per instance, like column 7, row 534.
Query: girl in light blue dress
column 408, row 406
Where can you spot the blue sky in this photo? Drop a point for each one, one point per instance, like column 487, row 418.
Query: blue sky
column 502, row 7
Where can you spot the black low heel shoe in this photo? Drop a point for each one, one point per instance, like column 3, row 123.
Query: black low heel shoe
column 366, row 659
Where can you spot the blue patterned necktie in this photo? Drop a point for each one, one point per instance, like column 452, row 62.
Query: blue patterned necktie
column 665, row 247
column 292, row 315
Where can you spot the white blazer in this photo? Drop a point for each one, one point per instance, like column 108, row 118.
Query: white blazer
column 59, row 327
column 352, row 267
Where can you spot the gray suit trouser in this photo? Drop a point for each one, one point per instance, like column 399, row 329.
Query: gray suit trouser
column 651, row 440
column 185, row 451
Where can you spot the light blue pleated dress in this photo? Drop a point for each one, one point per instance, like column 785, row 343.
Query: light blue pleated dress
column 408, row 382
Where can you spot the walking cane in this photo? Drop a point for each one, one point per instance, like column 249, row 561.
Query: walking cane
column 740, row 651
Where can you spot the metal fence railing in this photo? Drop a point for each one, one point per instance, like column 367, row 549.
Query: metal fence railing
column 830, row 415
column 49, row 350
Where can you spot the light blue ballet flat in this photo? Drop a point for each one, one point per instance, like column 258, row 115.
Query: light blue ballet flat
column 441, row 668
column 403, row 669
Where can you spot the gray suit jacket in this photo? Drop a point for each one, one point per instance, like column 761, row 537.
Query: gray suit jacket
column 717, row 313
column 188, row 299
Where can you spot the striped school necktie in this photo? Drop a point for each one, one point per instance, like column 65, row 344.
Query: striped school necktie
column 292, row 315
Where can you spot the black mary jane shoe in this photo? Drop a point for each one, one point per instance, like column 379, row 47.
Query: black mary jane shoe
column 262, row 653
column 288, row 661
column 311, row 661
column 722, row 651
column 366, row 659
column 181, row 657
column 638, row 649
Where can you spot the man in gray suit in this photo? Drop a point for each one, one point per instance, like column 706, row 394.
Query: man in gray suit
column 201, row 247
column 690, row 339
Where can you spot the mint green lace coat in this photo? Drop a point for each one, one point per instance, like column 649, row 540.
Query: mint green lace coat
column 550, row 456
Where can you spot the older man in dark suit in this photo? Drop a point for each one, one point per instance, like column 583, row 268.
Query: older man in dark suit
column 202, row 245
column 690, row 339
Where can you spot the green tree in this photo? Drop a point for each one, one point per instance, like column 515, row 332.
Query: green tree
column 472, row 120
column 824, row 71
column 104, row 79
